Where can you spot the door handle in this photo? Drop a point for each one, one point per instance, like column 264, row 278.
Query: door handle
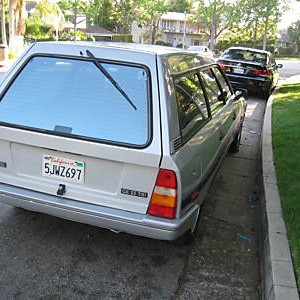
column 221, row 136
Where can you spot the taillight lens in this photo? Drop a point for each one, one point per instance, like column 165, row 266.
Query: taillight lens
column 163, row 202
column 261, row 72
column 224, row 67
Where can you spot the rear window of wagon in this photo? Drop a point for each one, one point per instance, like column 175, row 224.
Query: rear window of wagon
column 73, row 97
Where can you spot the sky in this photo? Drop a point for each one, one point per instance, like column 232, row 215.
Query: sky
column 292, row 15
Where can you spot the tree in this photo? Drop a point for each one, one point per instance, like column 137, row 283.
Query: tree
column 216, row 16
column 101, row 13
column 16, row 20
column 3, row 24
column 50, row 13
column 293, row 32
column 71, row 9
column 181, row 5
column 262, row 17
column 149, row 15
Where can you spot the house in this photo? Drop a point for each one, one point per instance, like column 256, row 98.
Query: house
column 180, row 29
column 175, row 29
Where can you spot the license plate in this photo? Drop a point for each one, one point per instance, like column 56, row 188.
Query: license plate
column 63, row 169
column 238, row 70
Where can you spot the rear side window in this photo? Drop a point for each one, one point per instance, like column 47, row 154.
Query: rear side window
column 222, row 82
column 191, row 103
column 212, row 90
column 73, row 97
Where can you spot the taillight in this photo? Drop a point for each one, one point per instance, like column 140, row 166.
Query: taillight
column 163, row 202
column 223, row 67
column 261, row 72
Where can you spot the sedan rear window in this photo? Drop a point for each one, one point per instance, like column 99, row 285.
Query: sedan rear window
column 246, row 55
column 74, row 97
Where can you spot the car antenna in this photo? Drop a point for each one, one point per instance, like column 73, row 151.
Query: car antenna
column 110, row 78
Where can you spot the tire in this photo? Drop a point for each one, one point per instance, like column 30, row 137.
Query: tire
column 235, row 145
column 189, row 237
column 265, row 94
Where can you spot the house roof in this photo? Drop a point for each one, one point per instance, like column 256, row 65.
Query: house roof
column 97, row 30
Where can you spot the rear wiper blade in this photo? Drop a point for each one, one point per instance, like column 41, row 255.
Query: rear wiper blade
column 110, row 78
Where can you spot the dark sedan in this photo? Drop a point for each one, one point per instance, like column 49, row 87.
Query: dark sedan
column 253, row 69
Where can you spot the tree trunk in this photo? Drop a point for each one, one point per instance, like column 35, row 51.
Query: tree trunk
column 19, row 14
column 265, row 37
column 12, row 7
column 3, row 26
column 212, row 39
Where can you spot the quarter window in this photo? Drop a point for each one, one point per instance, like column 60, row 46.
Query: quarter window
column 223, row 83
column 212, row 90
column 191, row 103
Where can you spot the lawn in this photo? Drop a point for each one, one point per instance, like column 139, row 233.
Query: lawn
column 286, row 144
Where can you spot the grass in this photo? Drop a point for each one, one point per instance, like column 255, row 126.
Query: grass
column 287, row 57
column 286, row 144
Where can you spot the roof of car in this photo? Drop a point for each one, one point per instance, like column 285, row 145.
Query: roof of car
column 248, row 49
column 146, row 48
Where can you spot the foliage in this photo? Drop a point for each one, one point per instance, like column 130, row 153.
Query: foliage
column 150, row 13
column 126, row 38
column 226, row 43
column 36, row 29
column 49, row 12
column 101, row 13
column 294, row 34
column 286, row 144
column 216, row 16
column 115, row 15
column 71, row 8
column 261, row 18
column 162, row 43
column 181, row 6
column 72, row 35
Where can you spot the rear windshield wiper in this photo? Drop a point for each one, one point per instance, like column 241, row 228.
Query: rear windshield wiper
column 110, row 78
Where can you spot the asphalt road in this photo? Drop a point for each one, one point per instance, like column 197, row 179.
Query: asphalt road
column 42, row 257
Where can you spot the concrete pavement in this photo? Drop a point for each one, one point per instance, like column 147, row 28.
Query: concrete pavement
column 277, row 266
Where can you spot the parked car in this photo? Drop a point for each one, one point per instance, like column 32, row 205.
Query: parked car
column 123, row 137
column 202, row 50
column 253, row 69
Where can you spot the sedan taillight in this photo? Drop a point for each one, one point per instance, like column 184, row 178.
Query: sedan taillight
column 261, row 72
column 224, row 67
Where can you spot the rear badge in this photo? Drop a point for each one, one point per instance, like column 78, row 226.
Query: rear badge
column 134, row 193
column 2, row 164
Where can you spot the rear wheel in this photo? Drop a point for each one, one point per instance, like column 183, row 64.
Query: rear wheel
column 235, row 145
column 188, row 237
column 266, row 94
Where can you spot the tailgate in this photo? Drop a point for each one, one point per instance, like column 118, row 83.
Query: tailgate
column 82, row 129
column 118, row 183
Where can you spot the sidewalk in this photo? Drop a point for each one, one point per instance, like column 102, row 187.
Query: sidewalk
column 278, row 272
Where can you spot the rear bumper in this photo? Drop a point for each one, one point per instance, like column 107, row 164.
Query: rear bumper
column 252, row 84
column 104, row 217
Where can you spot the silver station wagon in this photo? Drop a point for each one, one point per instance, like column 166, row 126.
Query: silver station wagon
column 121, row 136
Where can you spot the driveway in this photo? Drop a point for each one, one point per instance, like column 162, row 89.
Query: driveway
column 42, row 257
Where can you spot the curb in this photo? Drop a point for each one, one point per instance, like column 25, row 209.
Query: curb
column 277, row 266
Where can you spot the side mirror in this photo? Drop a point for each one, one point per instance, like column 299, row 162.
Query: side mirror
column 239, row 93
column 279, row 66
